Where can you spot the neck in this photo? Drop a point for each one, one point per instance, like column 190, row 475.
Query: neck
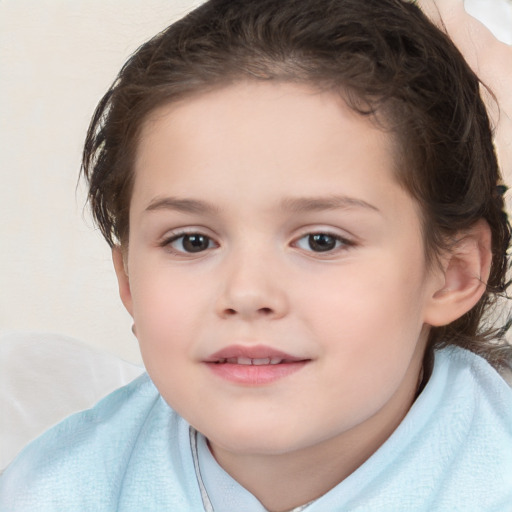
column 284, row 481
column 287, row 481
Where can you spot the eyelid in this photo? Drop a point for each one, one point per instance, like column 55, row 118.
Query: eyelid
column 186, row 230
column 347, row 241
column 175, row 234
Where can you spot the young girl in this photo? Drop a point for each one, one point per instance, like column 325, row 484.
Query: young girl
column 307, row 225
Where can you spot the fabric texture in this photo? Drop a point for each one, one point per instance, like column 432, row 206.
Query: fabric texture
column 131, row 452
column 45, row 377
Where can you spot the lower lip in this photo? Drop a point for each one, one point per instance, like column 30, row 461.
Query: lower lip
column 255, row 375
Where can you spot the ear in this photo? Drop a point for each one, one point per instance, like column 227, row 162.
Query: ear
column 118, row 257
column 465, row 271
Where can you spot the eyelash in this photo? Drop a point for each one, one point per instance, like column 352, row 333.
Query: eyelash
column 167, row 242
column 312, row 237
column 341, row 243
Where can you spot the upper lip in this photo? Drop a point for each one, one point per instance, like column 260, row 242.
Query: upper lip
column 251, row 352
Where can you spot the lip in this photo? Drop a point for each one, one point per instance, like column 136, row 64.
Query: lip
column 222, row 365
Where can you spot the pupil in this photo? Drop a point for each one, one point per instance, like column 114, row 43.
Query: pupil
column 195, row 243
column 321, row 242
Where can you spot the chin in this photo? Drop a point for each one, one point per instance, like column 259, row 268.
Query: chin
column 258, row 439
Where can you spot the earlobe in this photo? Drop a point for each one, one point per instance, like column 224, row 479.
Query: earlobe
column 123, row 281
column 465, row 272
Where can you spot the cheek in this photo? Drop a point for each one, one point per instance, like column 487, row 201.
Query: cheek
column 165, row 309
column 166, row 323
column 367, row 351
column 370, row 319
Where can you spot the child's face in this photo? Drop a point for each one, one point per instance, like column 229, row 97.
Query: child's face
column 266, row 224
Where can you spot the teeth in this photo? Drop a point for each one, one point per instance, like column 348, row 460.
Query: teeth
column 248, row 361
column 257, row 362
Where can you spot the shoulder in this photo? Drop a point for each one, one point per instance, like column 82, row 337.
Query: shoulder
column 478, row 397
column 469, row 424
column 125, row 407
column 452, row 451
column 87, row 454
column 460, row 369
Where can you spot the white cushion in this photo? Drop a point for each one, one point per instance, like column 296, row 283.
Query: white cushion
column 46, row 377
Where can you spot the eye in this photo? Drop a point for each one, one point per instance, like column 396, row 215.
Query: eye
column 189, row 243
column 321, row 242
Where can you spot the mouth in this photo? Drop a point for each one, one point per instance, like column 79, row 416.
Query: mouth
column 256, row 365
column 260, row 361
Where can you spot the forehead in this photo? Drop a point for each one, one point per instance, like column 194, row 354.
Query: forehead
column 249, row 129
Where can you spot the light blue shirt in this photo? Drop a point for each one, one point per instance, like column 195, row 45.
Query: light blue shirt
column 131, row 452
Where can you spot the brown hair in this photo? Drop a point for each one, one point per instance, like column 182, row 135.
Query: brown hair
column 384, row 57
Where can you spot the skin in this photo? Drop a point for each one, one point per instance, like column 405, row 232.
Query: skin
column 359, row 314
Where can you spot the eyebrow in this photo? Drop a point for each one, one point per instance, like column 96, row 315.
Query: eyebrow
column 292, row 204
column 181, row 205
column 313, row 204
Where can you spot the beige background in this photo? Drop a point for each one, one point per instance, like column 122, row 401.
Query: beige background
column 57, row 57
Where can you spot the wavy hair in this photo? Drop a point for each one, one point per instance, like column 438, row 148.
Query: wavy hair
column 385, row 59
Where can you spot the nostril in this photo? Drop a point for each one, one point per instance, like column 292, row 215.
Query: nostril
column 261, row 311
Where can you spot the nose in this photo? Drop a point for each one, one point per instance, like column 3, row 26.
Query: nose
column 251, row 289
